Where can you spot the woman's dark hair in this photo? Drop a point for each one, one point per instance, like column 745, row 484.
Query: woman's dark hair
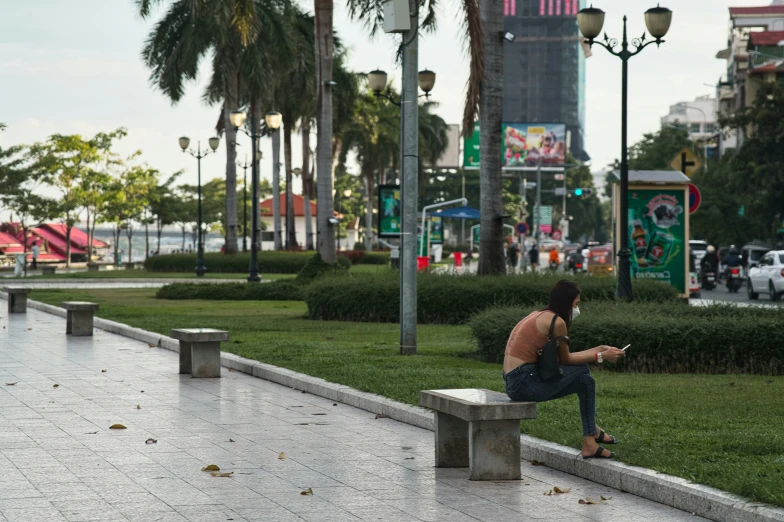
column 562, row 298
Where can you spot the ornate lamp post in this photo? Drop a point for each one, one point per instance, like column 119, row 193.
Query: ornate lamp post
column 657, row 20
column 273, row 120
column 377, row 81
column 199, row 154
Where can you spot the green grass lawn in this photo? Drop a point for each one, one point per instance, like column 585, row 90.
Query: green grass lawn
column 722, row 430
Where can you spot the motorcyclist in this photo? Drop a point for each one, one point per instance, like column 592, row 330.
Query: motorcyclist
column 554, row 258
column 732, row 259
column 575, row 258
column 710, row 261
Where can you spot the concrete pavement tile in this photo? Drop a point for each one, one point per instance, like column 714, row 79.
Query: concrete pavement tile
column 42, row 514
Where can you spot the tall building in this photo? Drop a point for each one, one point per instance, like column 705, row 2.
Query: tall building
column 544, row 68
column 699, row 119
column 754, row 55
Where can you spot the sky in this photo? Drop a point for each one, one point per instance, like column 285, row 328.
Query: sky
column 75, row 67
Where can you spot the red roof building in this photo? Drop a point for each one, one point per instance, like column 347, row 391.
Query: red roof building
column 757, row 11
column 766, row 38
column 299, row 206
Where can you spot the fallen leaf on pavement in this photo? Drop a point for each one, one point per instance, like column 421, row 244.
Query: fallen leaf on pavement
column 117, row 427
column 12, row 383
column 380, row 416
column 31, row 329
column 56, row 386
column 103, row 371
column 151, row 441
column 231, row 440
column 549, row 493
column 605, row 498
column 91, row 433
column 308, row 491
column 151, row 345
column 536, row 463
column 210, row 467
column 409, row 458
column 587, row 500
column 282, row 455
column 138, row 407
column 219, row 474
column 561, row 490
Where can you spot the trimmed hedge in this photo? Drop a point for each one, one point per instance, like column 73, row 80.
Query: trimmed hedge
column 269, row 262
column 665, row 338
column 450, row 299
column 363, row 257
column 316, row 268
column 275, row 291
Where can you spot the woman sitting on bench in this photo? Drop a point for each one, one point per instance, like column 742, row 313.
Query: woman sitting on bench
column 523, row 382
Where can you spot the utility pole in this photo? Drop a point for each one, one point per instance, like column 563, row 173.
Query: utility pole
column 537, row 216
column 409, row 112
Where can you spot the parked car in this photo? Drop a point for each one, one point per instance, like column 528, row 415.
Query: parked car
column 752, row 252
column 767, row 277
column 699, row 247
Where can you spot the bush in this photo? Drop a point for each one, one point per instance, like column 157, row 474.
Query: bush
column 450, row 299
column 665, row 338
column 363, row 257
column 317, row 267
column 269, row 262
column 275, row 291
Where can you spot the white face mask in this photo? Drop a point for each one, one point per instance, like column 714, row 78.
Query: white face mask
column 575, row 312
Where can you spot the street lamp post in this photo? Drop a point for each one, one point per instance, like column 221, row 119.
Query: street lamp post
column 199, row 154
column 273, row 120
column 409, row 150
column 346, row 195
column 590, row 21
column 244, row 167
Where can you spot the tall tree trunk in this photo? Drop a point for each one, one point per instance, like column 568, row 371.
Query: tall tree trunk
column 369, row 210
column 183, row 238
column 146, row 241
column 276, row 189
column 159, row 225
column 89, row 240
column 307, row 182
column 324, row 51
column 230, row 104
column 491, row 89
column 256, row 110
column 129, row 233
column 68, row 228
column 116, row 239
column 291, row 231
column 92, row 233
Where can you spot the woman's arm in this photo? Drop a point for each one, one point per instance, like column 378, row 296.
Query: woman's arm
column 584, row 357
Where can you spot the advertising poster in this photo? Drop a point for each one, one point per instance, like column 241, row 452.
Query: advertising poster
column 436, row 230
column 389, row 211
column 476, row 235
column 523, row 145
column 657, row 236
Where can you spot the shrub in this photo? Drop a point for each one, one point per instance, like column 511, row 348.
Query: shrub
column 269, row 262
column 274, row 291
column 317, row 267
column 363, row 257
column 452, row 299
column 665, row 337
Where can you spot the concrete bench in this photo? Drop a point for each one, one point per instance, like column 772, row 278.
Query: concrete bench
column 48, row 270
column 479, row 429
column 200, row 350
column 79, row 320
column 17, row 299
column 93, row 267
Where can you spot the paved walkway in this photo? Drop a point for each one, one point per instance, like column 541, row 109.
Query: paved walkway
column 104, row 283
column 60, row 461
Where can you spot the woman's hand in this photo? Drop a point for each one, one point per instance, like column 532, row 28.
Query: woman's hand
column 611, row 353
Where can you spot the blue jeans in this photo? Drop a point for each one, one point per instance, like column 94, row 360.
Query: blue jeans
column 524, row 384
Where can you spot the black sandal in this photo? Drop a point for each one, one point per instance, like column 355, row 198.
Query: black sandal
column 600, row 438
column 598, row 454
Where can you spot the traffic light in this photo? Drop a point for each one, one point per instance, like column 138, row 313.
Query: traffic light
column 579, row 192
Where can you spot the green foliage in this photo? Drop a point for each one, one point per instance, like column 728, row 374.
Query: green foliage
column 269, row 262
column 316, row 268
column 444, row 299
column 665, row 337
column 362, row 257
column 274, row 291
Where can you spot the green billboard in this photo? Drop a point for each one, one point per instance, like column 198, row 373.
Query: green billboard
column 471, row 149
column 524, row 145
column 436, row 230
column 389, row 210
column 657, row 236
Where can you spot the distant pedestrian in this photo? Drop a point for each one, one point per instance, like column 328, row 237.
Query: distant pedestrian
column 513, row 254
column 36, row 252
column 533, row 256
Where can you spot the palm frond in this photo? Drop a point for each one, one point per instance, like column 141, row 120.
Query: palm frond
column 473, row 29
column 245, row 21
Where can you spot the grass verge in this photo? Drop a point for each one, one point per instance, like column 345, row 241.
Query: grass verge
column 721, row 430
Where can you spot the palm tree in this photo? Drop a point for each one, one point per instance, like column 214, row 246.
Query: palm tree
column 324, row 61
column 484, row 93
column 187, row 32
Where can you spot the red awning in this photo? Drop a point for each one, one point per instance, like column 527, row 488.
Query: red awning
column 79, row 238
column 56, row 242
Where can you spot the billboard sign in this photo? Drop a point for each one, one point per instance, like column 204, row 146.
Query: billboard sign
column 450, row 159
column 389, row 219
column 523, row 145
column 436, row 230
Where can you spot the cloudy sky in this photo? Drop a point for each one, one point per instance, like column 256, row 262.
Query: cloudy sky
column 74, row 67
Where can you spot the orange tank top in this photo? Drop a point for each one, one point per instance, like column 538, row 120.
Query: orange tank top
column 526, row 339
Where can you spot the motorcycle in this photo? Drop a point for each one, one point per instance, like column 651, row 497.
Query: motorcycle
column 554, row 266
column 575, row 266
column 734, row 279
column 708, row 280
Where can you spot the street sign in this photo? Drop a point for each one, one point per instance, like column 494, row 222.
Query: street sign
column 546, row 229
column 556, row 234
column 560, row 191
column 521, row 228
column 530, row 185
column 686, row 162
column 558, row 177
column 545, row 215
column 695, row 198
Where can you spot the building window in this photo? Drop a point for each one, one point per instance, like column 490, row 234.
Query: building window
column 694, row 127
column 710, row 128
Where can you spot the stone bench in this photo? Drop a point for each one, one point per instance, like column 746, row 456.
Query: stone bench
column 79, row 320
column 479, row 429
column 17, row 299
column 93, row 267
column 200, row 350
column 48, row 270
